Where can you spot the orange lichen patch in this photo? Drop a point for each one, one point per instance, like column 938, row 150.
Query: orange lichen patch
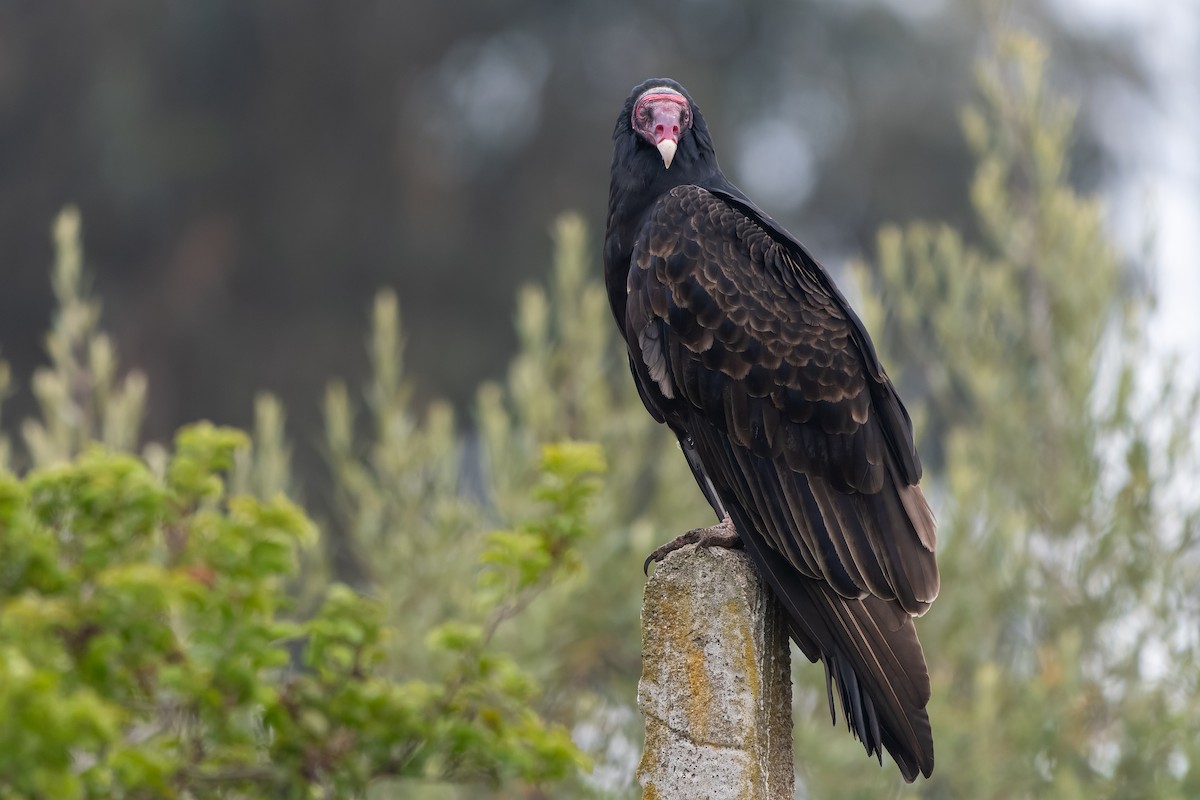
column 700, row 688
column 750, row 654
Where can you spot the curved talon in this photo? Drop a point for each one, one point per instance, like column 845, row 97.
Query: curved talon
column 723, row 534
column 659, row 553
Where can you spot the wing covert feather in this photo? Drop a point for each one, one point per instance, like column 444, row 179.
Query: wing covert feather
column 751, row 340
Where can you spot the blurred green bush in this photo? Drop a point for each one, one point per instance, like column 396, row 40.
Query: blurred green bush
column 144, row 649
column 146, row 643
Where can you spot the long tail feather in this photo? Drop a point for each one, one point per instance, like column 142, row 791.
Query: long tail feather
column 879, row 669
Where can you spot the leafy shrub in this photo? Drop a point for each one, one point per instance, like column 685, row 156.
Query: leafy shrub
column 145, row 652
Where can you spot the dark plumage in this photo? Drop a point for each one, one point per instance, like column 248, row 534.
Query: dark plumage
column 740, row 342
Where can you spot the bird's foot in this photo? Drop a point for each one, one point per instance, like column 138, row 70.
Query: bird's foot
column 723, row 534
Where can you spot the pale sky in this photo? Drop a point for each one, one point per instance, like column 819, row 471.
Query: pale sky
column 1159, row 143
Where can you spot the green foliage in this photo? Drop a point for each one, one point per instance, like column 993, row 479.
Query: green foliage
column 80, row 397
column 137, row 617
column 520, row 559
column 146, row 644
column 405, row 477
column 143, row 652
column 416, row 473
column 1062, row 649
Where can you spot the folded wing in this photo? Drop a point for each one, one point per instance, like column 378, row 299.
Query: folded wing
column 733, row 330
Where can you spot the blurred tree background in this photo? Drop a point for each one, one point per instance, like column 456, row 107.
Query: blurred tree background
column 251, row 175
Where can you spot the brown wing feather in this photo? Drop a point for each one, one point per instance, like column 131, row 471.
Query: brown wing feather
column 753, row 343
column 869, row 647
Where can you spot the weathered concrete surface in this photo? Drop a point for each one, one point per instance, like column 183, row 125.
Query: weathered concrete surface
column 716, row 687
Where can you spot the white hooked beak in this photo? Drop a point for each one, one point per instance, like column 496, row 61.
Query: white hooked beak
column 666, row 149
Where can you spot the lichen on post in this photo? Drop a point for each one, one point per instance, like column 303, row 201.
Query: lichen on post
column 716, row 685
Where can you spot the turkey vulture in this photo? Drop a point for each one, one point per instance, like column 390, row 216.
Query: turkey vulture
column 741, row 343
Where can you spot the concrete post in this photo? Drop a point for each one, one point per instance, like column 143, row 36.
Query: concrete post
column 716, row 687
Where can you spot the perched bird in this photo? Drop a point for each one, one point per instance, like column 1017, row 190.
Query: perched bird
column 741, row 343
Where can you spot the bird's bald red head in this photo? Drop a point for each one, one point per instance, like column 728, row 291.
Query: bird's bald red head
column 661, row 115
